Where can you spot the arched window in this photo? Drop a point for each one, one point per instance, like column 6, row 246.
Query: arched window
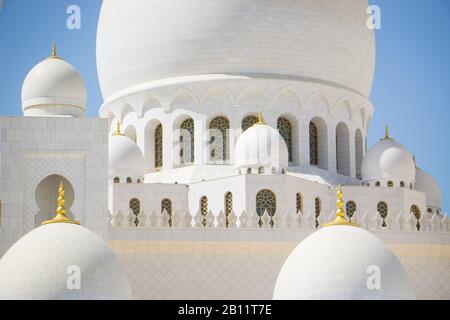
column 204, row 209
column 219, row 128
column 417, row 214
column 350, row 209
column 313, row 144
column 358, row 152
column 378, row 184
column 249, row 171
column 129, row 180
column 285, row 129
column 382, row 209
column 116, row 180
column 261, row 170
column 318, row 209
column 299, row 202
column 228, row 206
column 402, row 184
column 135, row 206
column 138, row 181
column 411, row 186
column 159, row 146
column 266, row 201
column 166, row 208
column 342, row 149
column 248, row 122
column 390, row 184
column 187, row 142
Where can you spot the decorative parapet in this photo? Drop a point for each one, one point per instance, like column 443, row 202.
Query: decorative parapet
column 405, row 222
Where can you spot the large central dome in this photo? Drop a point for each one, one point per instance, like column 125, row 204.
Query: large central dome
column 142, row 41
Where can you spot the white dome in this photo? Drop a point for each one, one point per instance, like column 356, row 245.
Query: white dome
column 261, row 146
column 388, row 160
column 125, row 158
column 310, row 40
column 426, row 183
column 38, row 266
column 335, row 263
column 53, row 87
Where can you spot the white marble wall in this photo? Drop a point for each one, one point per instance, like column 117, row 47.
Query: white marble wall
column 33, row 148
column 244, row 264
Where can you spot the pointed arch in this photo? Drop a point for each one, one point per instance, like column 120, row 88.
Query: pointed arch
column 185, row 99
column 319, row 102
column 343, row 108
column 287, row 97
column 130, row 132
column 217, row 90
column 149, row 103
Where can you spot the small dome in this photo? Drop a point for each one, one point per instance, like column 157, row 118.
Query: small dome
column 39, row 266
column 337, row 262
column 386, row 161
column 54, row 88
column 426, row 184
column 125, row 158
column 261, row 146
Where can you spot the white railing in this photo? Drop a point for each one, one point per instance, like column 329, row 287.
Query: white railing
column 406, row 222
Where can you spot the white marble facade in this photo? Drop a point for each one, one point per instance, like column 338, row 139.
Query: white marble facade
column 175, row 209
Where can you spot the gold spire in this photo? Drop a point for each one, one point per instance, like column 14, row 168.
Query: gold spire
column 118, row 130
column 61, row 210
column 340, row 214
column 260, row 118
column 386, row 133
column 54, row 54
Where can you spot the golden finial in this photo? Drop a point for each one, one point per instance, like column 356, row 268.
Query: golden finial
column 386, row 133
column 54, row 54
column 260, row 118
column 61, row 210
column 118, row 130
column 340, row 214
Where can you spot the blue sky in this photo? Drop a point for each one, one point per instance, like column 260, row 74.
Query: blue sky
column 411, row 90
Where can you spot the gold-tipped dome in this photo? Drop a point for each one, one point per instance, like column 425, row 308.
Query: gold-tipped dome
column 61, row 210
column 340, row 214
column 386, row 134
column 54, row 54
